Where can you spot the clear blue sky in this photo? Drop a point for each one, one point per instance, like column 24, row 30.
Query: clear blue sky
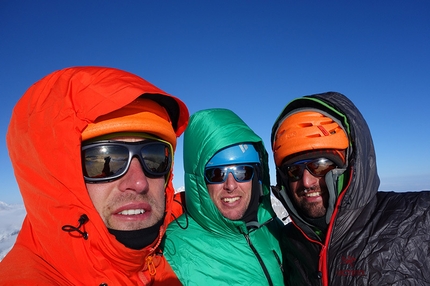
column 250, row 56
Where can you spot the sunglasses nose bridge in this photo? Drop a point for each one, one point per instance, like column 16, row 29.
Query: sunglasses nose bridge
column 134, row 151
column 218, row 175
column 139, row 159
column 306, row 168
column 309, row 174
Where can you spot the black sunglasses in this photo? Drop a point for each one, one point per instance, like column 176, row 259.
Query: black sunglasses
column 105, row 161
column 316, row 167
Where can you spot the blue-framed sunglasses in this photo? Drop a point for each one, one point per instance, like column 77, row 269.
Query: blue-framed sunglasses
column 241, row 173
column 105, row 161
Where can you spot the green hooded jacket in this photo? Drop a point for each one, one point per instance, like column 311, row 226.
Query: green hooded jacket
column 204, row 247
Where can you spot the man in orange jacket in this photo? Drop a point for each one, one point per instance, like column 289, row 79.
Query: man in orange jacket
column 92, row 150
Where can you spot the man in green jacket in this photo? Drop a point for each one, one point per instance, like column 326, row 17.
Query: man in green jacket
column 229, row 235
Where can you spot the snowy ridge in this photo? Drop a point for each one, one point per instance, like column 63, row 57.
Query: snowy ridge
column 11, row 217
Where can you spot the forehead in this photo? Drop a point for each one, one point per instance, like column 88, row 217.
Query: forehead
column 122, row 136
column 128, row 139
column 300, row 158
column 302, row 161
column 231, row 166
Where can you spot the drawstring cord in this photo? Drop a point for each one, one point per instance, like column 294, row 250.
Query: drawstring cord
column 184, row 211
column 82, row 220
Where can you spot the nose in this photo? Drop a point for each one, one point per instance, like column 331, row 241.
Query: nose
column 135, row 179
column 230, row 183
column 308, row 179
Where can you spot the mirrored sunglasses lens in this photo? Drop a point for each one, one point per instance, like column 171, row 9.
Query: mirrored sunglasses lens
column 320, row 167
column 219, row 175
column 243, row 173
column 156, row 158
column 104, row 161
column 214, row 175
column 295, row 172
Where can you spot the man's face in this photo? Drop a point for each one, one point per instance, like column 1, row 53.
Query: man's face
column 310, row 195
column 131, row 202
column 231, row 197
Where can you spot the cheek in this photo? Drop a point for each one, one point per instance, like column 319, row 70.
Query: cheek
column 246, row 188
column 321, row 182
column 293, row 186
column 157, row 184
column 212, row 190
column 92, row 190
column 157, row 191
column 97, row 194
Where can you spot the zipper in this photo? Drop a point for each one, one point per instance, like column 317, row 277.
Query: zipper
column 279, row 261
column 323, row 260
column 260, row 260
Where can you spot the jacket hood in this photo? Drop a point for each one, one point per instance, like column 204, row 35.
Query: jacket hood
column 208, row 132
column 46, row 127
column 359, row 184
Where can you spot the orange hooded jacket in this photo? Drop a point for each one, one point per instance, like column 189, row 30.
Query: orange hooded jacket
column 44, row 141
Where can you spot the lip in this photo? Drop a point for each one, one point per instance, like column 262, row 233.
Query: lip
column 312, row 196
column 232, row 201
column 133, row 206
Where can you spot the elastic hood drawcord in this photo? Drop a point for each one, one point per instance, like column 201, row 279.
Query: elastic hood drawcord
column 184, row 211
column 83, row 219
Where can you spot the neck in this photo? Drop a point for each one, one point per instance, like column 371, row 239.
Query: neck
column 138, row 239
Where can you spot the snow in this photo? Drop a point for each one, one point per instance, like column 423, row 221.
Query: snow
column 11, row 217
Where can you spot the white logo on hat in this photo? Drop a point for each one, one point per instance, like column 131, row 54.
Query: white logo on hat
column 243, row 147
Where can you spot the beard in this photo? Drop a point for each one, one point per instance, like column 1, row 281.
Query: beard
column 312, row 210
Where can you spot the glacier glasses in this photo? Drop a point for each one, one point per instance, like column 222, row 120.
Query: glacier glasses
column 316, row 167
column 217, row 175
column 105, row 161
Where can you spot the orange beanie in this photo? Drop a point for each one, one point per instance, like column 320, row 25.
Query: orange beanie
column 141, row 115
